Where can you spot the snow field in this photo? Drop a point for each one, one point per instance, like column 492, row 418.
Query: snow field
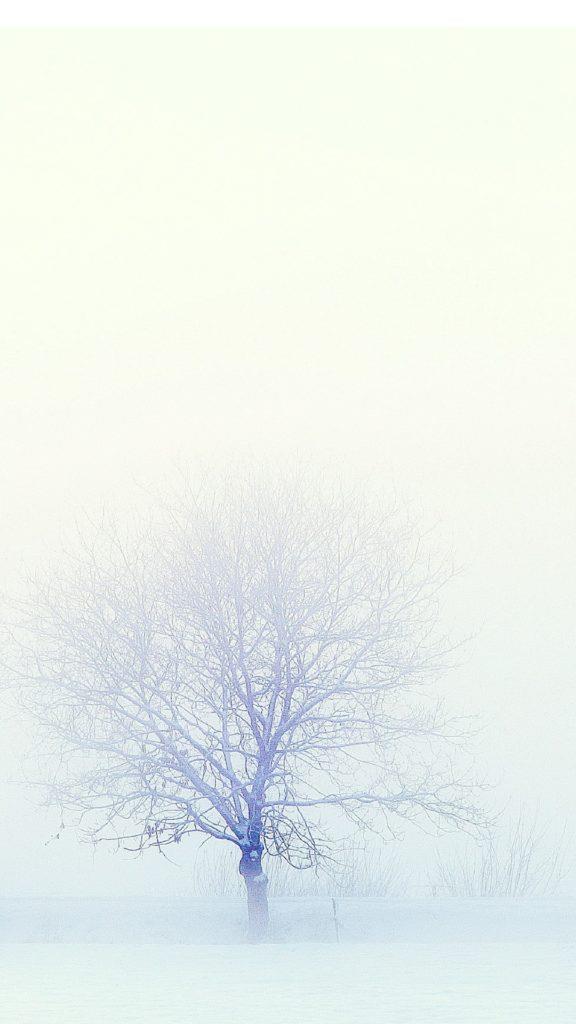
column 415, row 983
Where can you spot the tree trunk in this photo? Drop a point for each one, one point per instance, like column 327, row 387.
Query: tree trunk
column 258, row 918
column 257, row 895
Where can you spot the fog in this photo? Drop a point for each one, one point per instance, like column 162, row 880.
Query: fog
column 354, row 248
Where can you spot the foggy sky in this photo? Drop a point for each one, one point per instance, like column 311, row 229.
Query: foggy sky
column 357, row 246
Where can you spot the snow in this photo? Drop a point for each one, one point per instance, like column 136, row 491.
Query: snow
column 202, row 921
column 400, row 983
column 483, row 961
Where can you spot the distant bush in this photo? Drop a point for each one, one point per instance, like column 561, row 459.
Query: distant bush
column 358, row 870
column 520, row 859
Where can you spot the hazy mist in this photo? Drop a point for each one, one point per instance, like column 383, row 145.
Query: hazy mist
column 353, row 247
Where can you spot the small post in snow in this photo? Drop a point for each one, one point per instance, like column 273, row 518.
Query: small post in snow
column 336, row 921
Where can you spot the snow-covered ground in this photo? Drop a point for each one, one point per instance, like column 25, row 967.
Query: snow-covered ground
column 397, row 983
column 223, row 921
column 482, row 961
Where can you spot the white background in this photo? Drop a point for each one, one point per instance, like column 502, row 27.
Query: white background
column 359, row 246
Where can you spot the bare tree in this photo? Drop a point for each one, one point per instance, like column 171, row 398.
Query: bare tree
column 250, row 664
